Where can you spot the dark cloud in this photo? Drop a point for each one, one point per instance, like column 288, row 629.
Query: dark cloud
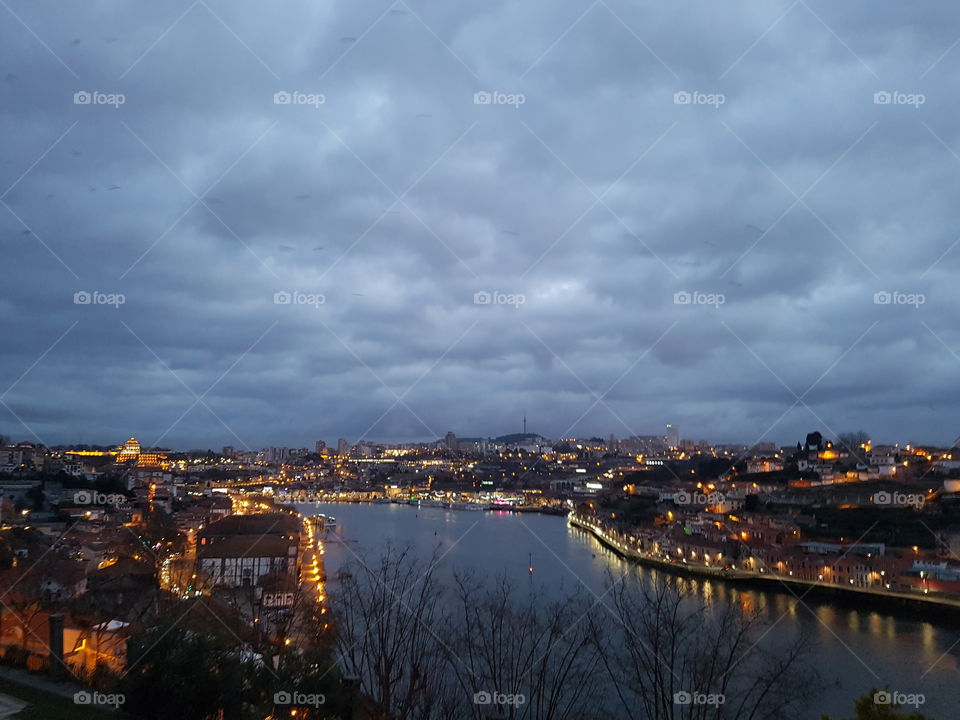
column 629, row 158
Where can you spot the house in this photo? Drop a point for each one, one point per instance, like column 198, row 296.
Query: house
column 244, row 560
column 102, row 645
column 282, row 525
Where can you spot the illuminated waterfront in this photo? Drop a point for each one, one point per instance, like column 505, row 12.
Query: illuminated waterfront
column 856, row 650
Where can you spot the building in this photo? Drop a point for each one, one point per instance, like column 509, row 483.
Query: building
column 672, row 437
column 320, row 448
column 276, row 455
column 244, row 550
column 13, row 457
column 343, row 447
column 130, row 450
column 246, row 560
column 450, row 442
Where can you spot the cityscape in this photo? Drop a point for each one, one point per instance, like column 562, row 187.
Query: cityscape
column 94, row 539
column 501, row 360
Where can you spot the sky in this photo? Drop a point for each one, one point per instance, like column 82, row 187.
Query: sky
column 249, row 224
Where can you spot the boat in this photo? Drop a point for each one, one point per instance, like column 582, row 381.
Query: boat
column 467, row 506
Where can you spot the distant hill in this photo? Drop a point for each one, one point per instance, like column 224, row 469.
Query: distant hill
column 517, row 438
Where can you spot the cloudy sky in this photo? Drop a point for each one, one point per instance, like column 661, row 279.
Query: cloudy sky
column 265, row 224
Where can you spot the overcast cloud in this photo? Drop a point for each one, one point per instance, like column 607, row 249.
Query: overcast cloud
column 631, row 157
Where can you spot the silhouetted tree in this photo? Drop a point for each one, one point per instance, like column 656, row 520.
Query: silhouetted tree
column 866, row 707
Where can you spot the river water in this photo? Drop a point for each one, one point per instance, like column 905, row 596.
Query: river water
column 855, row 649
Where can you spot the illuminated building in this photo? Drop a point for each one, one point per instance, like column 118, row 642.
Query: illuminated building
column 130, row 450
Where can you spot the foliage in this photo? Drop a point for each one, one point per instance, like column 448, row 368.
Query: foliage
column 174, row 674
column 865, row 708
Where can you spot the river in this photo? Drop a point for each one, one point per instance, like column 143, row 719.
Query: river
column 855, row 650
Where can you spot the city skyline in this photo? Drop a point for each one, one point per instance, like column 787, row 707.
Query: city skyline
column 439, row 360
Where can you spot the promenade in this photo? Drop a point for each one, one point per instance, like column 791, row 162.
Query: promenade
column 881, row 598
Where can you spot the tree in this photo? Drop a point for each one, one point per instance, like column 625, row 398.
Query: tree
column 420, row 650
column 526, row 656
column 175, row 674
column 311, row 680
column 669, row 657
column 866, row 707
column 854, row 443
column 388, row 614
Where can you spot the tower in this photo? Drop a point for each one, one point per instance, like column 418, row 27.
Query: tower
column 673, row 436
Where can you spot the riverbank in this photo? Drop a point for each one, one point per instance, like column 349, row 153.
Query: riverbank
column 925, row 607
column 475, row 507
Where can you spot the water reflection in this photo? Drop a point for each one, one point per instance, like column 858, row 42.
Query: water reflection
column 856, row 649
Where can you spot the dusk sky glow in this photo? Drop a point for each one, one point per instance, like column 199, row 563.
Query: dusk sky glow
column 249, row 224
